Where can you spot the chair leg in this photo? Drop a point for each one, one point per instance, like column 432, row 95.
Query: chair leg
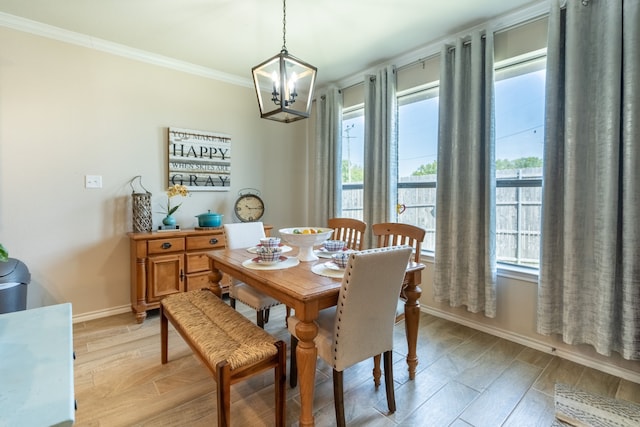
column 338, row 397
column 293, row 368
column 164, row 336
column 388, row 381
column 232, row 302
column 266, row 315
column 260, row 318
column 376, row 370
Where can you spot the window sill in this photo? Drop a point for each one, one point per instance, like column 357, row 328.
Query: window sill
column 509, row 271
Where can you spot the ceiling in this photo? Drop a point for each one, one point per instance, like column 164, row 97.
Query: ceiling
column 340, row 37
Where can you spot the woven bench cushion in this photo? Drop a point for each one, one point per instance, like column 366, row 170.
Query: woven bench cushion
column 218, row 331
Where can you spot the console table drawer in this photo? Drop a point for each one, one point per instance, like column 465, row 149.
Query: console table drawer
column 198, row 261
column 205, row 242
column 162, row 246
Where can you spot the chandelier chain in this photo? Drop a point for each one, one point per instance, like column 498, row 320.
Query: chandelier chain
column 284, row 25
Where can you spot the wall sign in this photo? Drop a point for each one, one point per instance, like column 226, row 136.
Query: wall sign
column 200, row 160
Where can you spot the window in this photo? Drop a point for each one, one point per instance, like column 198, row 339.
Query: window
column 353, row 162
column 417, row 160
column 519, row 97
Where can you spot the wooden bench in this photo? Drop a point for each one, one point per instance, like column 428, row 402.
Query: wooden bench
column 226, row 342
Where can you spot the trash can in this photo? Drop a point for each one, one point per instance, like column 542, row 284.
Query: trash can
column 14, row 278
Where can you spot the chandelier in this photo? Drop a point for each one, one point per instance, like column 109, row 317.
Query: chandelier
column 284, row 84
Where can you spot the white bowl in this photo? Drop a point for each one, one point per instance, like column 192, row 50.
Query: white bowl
column 334, row 245
column 341, row 259
column 269, row 254
column 305, row 242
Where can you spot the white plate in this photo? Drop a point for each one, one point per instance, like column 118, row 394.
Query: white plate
column 254, row 249
column 323, row 253
column 333, row 266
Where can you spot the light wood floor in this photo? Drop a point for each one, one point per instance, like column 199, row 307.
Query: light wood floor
column 465, row 378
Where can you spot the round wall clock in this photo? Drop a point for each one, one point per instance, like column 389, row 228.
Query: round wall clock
column 249, row 206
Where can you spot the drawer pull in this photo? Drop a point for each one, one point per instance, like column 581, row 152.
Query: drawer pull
column 213, row 241
column 166, row 245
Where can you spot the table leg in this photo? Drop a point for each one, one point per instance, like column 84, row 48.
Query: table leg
column 214, row 279
column 412, row 320
column 306, row 355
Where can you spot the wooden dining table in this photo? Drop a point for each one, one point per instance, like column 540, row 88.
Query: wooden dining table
column 307, row 293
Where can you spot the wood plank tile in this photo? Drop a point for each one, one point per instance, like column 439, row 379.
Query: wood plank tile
column 628, row 391
column 535, row 357
column 501, row 396
column 412, row 394
column 444, row 407
column 535, row 409
column 480, row 374
column 598, row 382
column 558, row 370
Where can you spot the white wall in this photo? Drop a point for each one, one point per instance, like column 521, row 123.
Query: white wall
column 68, row 111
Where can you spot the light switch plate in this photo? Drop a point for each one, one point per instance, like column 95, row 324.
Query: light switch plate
column 93, row 181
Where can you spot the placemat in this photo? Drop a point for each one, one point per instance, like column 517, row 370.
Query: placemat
column 322, row 270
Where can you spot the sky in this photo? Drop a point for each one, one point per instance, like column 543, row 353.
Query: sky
column 519, row 112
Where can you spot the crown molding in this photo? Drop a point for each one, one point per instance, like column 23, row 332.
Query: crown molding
column 66, row 36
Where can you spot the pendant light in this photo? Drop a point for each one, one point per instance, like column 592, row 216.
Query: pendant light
column 284, row 84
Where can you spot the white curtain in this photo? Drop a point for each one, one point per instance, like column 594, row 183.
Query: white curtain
column 465, row 256
column 380, row 148
column 589, row 286
column 328, row 157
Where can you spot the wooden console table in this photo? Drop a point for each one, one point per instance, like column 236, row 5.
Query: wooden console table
column 163, row 263
column 36, row 367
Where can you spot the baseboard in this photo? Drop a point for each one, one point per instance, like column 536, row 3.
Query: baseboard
column 92, row 315
column 538, row 345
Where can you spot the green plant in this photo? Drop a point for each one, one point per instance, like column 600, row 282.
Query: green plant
column 4, row 255
column 175, row 190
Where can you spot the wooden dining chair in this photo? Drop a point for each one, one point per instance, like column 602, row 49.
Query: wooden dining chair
column 344, row 331
column 390, row 234
column 246, row 235
column 396, row 233
column 350, row 230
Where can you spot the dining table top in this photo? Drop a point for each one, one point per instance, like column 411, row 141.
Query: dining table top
column 296, row 286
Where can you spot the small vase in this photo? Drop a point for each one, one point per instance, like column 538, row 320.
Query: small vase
column 169, row 220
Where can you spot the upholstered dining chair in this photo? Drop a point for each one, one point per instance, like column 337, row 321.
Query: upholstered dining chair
column 350, row 230
column 344, row 331
column 246, row 235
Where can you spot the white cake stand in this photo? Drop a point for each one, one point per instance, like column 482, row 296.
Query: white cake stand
column 305, row 242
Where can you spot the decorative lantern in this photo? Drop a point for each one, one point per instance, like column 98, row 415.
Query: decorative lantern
column 141, row 202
